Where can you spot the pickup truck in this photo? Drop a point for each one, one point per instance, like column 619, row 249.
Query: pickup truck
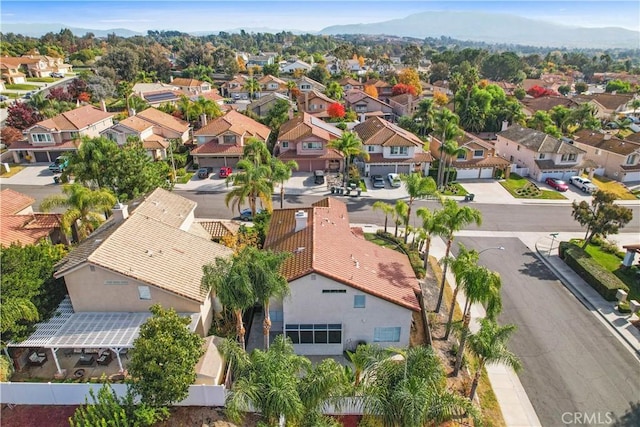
column 59, row 165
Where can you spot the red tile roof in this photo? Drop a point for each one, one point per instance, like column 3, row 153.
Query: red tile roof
column 212, row 147
column 327, row 246
column 12, row 202
column 76, row 119
column 237, row 123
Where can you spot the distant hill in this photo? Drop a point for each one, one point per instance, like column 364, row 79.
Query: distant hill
column 40, row 29
column 494, row 28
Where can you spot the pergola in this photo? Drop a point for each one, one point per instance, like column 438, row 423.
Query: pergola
column 115, row 331
column 632, row 250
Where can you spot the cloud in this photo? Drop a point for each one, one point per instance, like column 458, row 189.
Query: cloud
column 121, row 21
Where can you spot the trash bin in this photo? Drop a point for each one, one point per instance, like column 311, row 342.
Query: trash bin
column 359, row 191
column 333, row 190
column 56, row 179
column 469, row 197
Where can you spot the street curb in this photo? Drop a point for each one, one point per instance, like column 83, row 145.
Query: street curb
column 583, row 299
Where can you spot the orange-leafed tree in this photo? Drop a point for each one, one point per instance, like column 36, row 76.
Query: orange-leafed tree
column 371, row 91
column 401, row 88
column 440, row 99
column 336, row 110
column 409, row 76
column 10, row 135
column 242, row 66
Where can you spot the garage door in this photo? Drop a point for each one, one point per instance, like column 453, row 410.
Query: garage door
column 468, row 174
column 381, row 169
column 42, row 157
column 631, row 176
column 486, row 173
column 405, row 169
column 558, row 174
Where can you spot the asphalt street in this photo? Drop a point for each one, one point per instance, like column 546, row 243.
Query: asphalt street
column 572, row 362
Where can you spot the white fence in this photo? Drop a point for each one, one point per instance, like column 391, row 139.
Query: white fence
column 520, row 171
column 75, row 394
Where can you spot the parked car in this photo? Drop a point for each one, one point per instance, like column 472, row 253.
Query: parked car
column 204, row 173
column 377, row 181
column 3, row 98
column 557, row 184
column 57, row 75
column 28, row 95
column 59, row 165
column 225, row 172
column 394, row 180
column 245, row 214
column 318, row 177
column 583, row 184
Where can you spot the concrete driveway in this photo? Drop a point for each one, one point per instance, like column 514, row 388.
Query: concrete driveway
column 32, row 174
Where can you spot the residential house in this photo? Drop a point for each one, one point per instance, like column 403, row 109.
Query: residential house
column 10, row 70
column 545, row 103
column 314, row 102
column 305, row 139
column 391, row 148
column 191, row 86
column 154, row 128
column 270, row 84
column 349, row 83
column 404, row 104
column 536, row 154
column 305, row 84
column 345, row 290
column 221, row 142
column 43, row 66
column 264, row 104
column 20, row 224
column 50, row 138
column 366, row 106
column 616, row 158
column 384, row 89
column 608, row 105
column 297, row 65
column 477, row 158
column 235, row 88
column 220, row 229
column 260, row 60
column 160, row 97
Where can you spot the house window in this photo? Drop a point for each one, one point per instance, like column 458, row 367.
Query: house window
column 285, row 144
column 320, row 333
column 386, row 334
column 631, row 160
column 370, row 148
column 276, row 315
column 144, row 292
column 359, row 301
column 305, row 87
column 399, row 151
column 478, row 154
column 229, row 139
column 315, row 145
column 334, row 291
column 541, row 156
column 462, row 155
column 568, row 157
column 38, row 138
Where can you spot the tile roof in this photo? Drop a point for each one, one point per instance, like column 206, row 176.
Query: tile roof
column 546, row 103
column 27, row 229
column 609, row 101
column 551, row 165
column 330, row 154
column 12, row 202
column 304, row 125
column 271, row 97
column 600, row 141
column 538, row 141
column 150, row 246
column 136, row 123
column 237, row 123
column 219, row 229
column 213, row 147
column 377, row 131
column 76, row 119
column 421, row 157
column 486, row 162
column 180, row 81
column 162, row 119
column 348, row 259
column 312, row 94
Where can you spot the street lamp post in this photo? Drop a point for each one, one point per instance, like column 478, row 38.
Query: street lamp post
column 553, row 238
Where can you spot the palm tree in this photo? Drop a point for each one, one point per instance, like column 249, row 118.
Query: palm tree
column 424, row 116
column 252, row 86
column 334, row 90
column 91, row 163
column 250, row 185
column 229, row 280
column 432, row 225
column 256, row 151
column 480, row 286
column 400, row 210
column 454, row 219
column 417, row 187
column 364, row 357
column 350, row 145
column 290, row 86
column 452, row 151
column 489, row 345
column 465, row 259
column 386, row 208
column 635, row 104
column 280, row 173
column 207, row 110
column 86, row 208
column 446, row 126
column 187, row 108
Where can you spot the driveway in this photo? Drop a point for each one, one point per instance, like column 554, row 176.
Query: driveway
column 32, row 174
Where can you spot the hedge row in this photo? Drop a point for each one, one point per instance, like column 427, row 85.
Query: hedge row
column 599, row 278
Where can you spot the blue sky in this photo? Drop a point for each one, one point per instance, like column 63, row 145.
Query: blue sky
column 308, row 15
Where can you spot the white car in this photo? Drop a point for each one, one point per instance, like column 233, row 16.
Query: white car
column 583, row 184
column 394, row 180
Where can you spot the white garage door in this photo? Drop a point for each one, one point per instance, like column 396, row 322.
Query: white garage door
column 468, row 174
column 486, row 173
column 552, row 174
column 631, row 176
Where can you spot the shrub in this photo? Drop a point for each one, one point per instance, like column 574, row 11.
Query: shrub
column 624, row 308
column 181, row 172
column 599, row 278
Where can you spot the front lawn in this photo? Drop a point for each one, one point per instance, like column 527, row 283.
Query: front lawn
column 22, row 86
column 614, row 187
column 41, row 79
column 11, row 95
column 184, row 178
column 454, row 189
column 13, row 169
column 522, row 188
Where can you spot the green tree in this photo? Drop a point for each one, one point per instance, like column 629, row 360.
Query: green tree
column 602, row 217
column 489, row 345
column 250, row 184
column 581, row 87
column 255, row 150
column 423, row 116
column 432, row 225
column 480, row 286
column 454, row 218
column 350, row 145
column 400, row 211
column 85, row 211
column 386, row 208
column 465, row 259
column 280, row 173
column 334, row 90
column 163, row 359
column 618, row 86
column 446, row 127
column 564, row 90
column 417, row 187
column 123, row 60
column 319, row 73
column 91, row 164
column 252, row 86
column 207, row 110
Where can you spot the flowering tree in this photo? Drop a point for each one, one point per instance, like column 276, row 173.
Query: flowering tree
column 401, row 88
column 371, row 91
column 59, row 94
column 440, row 98
column 537, row 91
column 84, row 97
column 21, row 115
column 336, row 110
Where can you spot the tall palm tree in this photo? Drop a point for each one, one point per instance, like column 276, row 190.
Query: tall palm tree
column 291, row 84
column 489, row 345
column 364, row 357
column 465, row 259
column 446, row 127
column 280, row 173
column 424, row 116
column 334, row 90
column 386, row 208
column 250, row 184
column 229, row 280
column 256, row 151
column 417, row 187
column 350, row 145
column 480, row 286
column 207, row 110
column 252, row 86
column 86, row 208
column 452, row 151
column 400, row 210
column 187, row 108
column 454, row 219
column 432, row 225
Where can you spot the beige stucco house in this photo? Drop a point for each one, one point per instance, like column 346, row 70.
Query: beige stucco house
column 344, row 290
column 615, row 158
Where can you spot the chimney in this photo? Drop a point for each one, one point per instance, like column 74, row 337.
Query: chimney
column 103, row 105
column 301, row 221
column 505, row 125
column 120, row 212
column 170, row 79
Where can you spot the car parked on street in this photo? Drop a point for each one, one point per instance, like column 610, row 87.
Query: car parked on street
column 3, row 98
column 57, row 75
column 377, row 181
column 557, row 184
column 318, row 177
column 394, row 180
column 59, row 165
column 204, row 173
column 225, row 172
column 246, row 215
column 583, row 184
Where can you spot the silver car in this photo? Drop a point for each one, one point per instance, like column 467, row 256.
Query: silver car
column 394, row 180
